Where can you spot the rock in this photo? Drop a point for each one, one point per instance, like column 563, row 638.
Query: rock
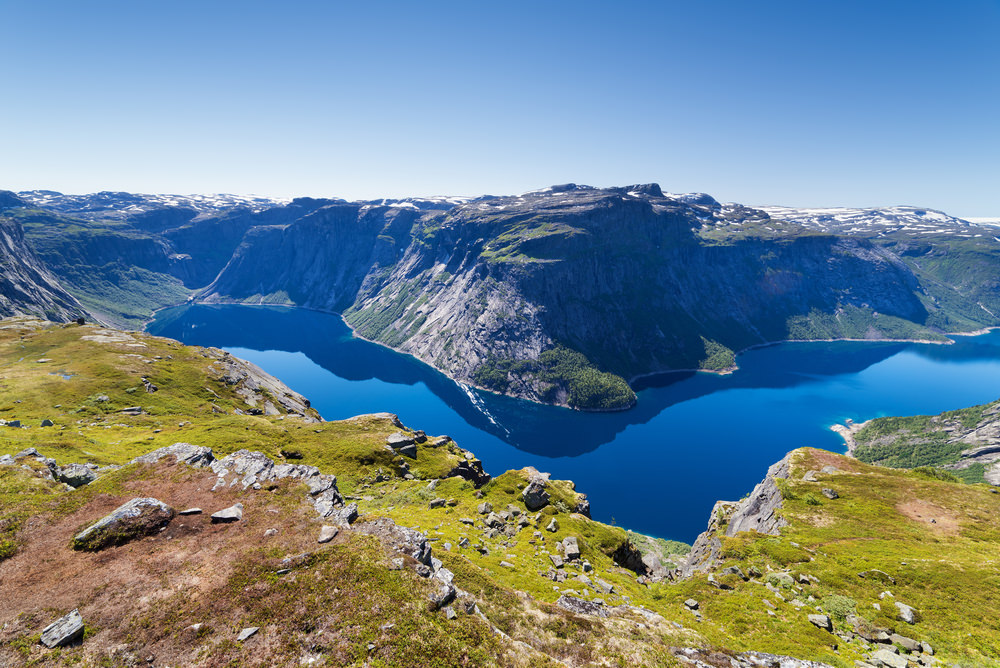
column 190, row 511
column 395, row 538
column 909, row 644
column 926, row 649
column 780, row 579
column 467, row 520
column 442, row 595
column 327, row 533
column 581, row 607
column 131, row 520
column 552, row 526
column 556, row 560
column 829, row 469
column 408, row 451
column 233, row 513
column 471, row 470
column 27, row 452
column 507, row 564
column 131, row 410
column 906, row 613
column 485, row 507
column 884, row 657
column 192, row 455
column 534, row 495
column 821, row 621
column 102, row 398
column 449, row 612
column 691, row 604
column 571, row 548
column 47, row 423
column 75, row 475
column 810, row 476
column 582, row 506
column 437, row 503
column 399, row 440
column 463, row 542
column 734, row 570
column 64, row 631
column 246, row 633
column 493, row 520
column 347, row 515
column 829, row 493
column 14, row 423
column 604, row 586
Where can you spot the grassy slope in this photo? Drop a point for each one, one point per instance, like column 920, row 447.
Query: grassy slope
column 339, row 599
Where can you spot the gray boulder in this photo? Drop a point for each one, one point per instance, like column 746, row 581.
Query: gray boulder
column 47, row 423
column 885, row 657
column 192, row 455
column 442, row 595
column 552, row 526
column 64, row 631
column 906, row 613
column 247, row 632
column 399, row 440
column 535, row 496
column 909, row 644
column 830, row 493
column 821, row 621
column 137, row 518
column 484, row 508
column 409, row 450
column 571, row 548
column 75, row 475
column 327, row 533
column 233, row 513
column 581, row 607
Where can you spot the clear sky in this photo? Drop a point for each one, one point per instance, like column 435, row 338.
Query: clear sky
column 802, row 103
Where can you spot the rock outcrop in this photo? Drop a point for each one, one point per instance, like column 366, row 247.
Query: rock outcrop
column 132, row 520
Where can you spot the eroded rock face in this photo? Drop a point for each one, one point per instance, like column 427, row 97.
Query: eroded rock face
column 132, row 520
column 254, row 469
column 259, row 389
column 192, row 455
column 400, row 540
column 76, row 475
column 471, row 470
column 534, row 495
column 581, row 607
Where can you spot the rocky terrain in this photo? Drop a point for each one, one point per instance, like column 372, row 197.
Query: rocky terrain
column 563, row 295
column 171, row 505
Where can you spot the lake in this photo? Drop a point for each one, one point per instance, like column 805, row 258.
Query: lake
column 693, row 438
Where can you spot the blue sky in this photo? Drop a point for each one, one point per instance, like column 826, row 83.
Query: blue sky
column 804, row 103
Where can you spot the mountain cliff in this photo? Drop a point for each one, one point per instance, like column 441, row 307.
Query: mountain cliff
column 27, row 287
column 564, row 295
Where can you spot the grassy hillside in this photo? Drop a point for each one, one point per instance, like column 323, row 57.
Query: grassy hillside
column 347, row 603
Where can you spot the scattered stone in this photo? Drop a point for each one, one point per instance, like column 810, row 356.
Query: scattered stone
column 327, row 533
column 534, row 495
column 131, row 410
column 821, row 621
column 64, row 631
column 409, row 451
column 471, row 470
column 604, row 586
column 347, row 515
column 131, row 520
column 192, row 455
column 437, row 503
column 926, row 649
column 582, row 506
column 829, row 493
column 14, row 423
column 556, row 560
column 552, row 526
column 888, row 658
column 484, row 508
column 581, row 607
column 571, row 548
column 691, row 604
column 246, row 633
column 909, row 644
column 399, row 440
column 442, row 595
column 734, row 570
column 190, row 511
column 463, row 542
column 395, row 538
column 233, row 513
column 507, row 564
column 27, row 452
column 450, row 613
column 47, row 423
column 102, row 398
column 810, row 476
column 75, row 475
column 906, row 613
column 467, row 520
column 270, row 532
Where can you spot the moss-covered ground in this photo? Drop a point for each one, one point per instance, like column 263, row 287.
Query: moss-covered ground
column 936, row 542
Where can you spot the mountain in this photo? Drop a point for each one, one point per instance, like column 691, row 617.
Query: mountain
column 26, row 285
column 252, row 532
column 563, row 295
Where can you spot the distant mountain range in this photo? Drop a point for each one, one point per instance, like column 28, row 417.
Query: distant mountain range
column 562, row 295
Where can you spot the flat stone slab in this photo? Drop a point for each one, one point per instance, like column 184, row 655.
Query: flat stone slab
column 327, row 533
column 246, row 633
column 233, row 513
column 64, row 631
column 134, row 519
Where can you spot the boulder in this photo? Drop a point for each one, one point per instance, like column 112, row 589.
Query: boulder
column 906, row 613
column 442, row 595
column 821, row 622
column 829, row 493
column 556, row 560
column 247, row 632
column 192, row 455
column 534, row 495
column 47, row 423
column 885, row 657
column 190, row 511
column 471, row 470
column 75, row 475
column 484, row 508
column 437, row 503
column 581, row 607
column 347, row 515
column 552, row 526
column 137, row 518
column 27, row 452
column 399, row 440
column 582, row 506
column 233, row 513
column 691, row 604
column 909, row 644
column 64, row 631
column 409, row 451
column 327, row 533
column 571, row 548
column 395, row 538
column 494, row 520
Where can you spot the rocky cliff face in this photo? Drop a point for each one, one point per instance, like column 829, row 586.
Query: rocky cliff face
column 562, row 295
column 26, row 285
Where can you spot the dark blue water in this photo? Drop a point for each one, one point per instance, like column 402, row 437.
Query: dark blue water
column 658, row 468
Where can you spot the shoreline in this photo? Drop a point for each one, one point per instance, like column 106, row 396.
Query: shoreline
column 847, row 432
column 630, row 381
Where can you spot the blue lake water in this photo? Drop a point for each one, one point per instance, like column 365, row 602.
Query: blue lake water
column 658, row 468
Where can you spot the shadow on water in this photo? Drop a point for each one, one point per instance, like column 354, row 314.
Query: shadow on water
column 543, row 430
